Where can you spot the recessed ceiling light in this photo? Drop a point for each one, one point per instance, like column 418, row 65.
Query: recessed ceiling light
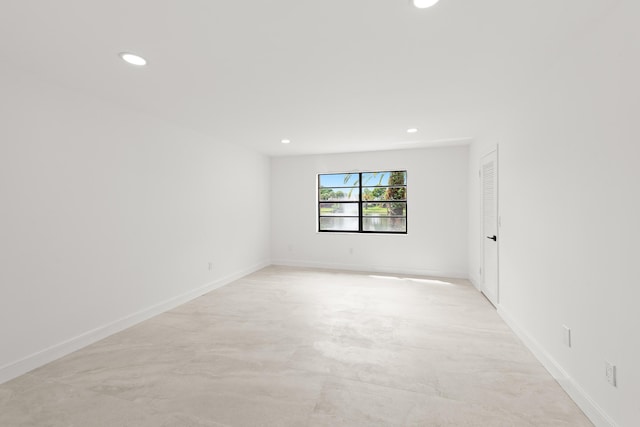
column 133, row 59
column 412, row 130
column 286, row 141
column 423, row 4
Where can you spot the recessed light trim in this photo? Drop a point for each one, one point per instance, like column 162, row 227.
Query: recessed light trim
column 133, row 59
column 412, row 130
column 286, row 141
column 423, row 4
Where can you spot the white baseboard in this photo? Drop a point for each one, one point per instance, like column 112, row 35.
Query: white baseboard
column 47, row 355
column 475, row 282
column 373, row 268
column 591, row 409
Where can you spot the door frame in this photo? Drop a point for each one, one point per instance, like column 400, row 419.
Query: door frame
column 482, row 231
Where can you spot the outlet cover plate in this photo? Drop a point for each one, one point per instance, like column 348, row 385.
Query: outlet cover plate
column 566, row 335
column 610, row 372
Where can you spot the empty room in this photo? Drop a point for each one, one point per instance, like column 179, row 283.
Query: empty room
column 330, row 213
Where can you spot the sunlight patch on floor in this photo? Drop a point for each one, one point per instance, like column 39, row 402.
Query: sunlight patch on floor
column 413, row 279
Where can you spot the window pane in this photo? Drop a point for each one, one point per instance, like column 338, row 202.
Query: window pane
column 373, row 193
column 338, row 209
column 396, row 193
column 372, row 179
column 339, row 180
column 384, row 193
column 385, row 224
column 339, row 194
column 384, row 209
column 338, row 224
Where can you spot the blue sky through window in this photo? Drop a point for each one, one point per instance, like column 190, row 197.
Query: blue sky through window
column 337, row 180
column 369, row 179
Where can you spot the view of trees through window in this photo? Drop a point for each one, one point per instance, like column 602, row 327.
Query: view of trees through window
column 363, row 202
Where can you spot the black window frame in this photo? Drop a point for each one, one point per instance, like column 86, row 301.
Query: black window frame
column 360, row 202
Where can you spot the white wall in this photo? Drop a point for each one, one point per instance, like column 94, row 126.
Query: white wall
column 570, row 208
column 109, row 216
column 436, row 243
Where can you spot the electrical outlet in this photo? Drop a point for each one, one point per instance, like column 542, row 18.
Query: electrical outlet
column 566, row 335
column 210, row 266
column 610, row 372
column 351, row 251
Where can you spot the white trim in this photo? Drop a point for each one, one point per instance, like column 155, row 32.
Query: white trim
column 475, row 282
column 591, row 409
column 56, row 351
column 373, row 269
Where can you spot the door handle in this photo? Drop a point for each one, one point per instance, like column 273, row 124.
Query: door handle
column 494, row 238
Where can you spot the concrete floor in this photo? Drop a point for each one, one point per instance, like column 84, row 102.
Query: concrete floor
column 303, row 347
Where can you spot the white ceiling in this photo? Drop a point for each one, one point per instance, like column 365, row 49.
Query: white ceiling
column 331, row 75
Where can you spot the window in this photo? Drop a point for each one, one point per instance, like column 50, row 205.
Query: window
column 363, row 202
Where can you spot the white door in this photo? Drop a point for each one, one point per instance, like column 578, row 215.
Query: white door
column 489, row 178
